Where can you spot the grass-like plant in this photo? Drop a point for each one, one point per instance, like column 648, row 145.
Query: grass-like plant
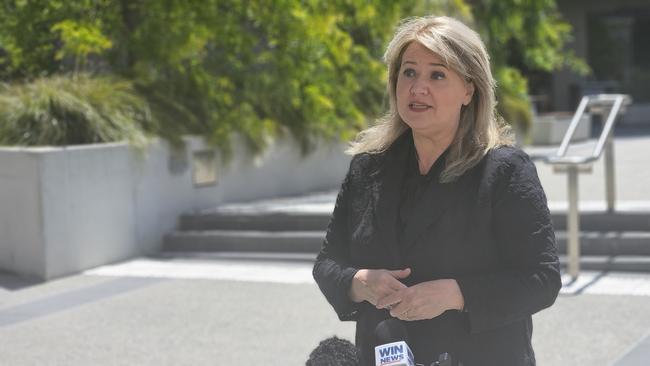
column 61, row 110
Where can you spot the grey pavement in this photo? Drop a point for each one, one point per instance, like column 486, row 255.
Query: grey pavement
column 264, row 308
column 187, row 309
column 632, row 168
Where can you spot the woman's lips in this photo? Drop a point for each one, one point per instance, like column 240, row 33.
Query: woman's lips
column 418, row 107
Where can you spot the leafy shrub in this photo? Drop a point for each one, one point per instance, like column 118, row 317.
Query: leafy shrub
column 514, row 103
column 62, row 110
column 311, row 69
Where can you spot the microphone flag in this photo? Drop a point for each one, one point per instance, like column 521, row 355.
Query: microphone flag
column 394, row 354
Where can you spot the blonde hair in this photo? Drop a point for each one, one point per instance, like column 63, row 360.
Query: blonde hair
column 480, row 128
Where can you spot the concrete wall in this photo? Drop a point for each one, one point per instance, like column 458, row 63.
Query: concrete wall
column 282, row 171
column 63, row 210
column 21, row 221
column 550, row 128
column 637, row 114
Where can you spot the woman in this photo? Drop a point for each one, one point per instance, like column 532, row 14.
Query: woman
column 439, row 221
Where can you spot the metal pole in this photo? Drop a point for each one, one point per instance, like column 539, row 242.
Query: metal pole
column 573, row 223
column 610, row 183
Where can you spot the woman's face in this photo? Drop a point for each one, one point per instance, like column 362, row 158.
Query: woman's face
column 430, row 94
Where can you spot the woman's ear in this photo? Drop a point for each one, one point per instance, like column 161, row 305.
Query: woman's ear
column 469, row 92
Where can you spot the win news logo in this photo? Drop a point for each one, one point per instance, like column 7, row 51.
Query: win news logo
column 393, row 354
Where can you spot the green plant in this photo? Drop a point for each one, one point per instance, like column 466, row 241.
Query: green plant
column 512, row 94
column 532, row 37
column 311, row 68
column 79, row 41
column 62, row 111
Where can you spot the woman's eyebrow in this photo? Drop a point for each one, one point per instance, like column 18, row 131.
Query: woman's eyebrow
column 431, row 63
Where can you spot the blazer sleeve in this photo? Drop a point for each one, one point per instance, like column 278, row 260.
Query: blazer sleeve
column 530, row 278
column 331, row 270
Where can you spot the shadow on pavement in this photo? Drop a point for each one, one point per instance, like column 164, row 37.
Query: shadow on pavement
column 13, row 282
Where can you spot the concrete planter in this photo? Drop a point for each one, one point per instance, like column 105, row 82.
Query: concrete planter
column 637, row 114
column 67, row 209
column 550, row 128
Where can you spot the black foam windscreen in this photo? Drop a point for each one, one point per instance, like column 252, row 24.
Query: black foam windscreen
column 389, row 331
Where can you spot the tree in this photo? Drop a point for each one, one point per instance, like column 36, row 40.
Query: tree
column 262, row 68
column 521, row 37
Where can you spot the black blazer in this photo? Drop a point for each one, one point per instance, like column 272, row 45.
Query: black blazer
column 490, row 230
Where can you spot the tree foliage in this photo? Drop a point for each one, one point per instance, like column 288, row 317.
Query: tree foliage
column 261, row 68
column 79, row 41
column 523, row 36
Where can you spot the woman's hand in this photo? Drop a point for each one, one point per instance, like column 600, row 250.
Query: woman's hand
column 373, row 284
column 425, row 300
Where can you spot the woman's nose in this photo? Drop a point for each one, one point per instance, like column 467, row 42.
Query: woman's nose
column 418, row 87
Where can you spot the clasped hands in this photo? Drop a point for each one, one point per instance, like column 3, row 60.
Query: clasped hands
column 426, row 300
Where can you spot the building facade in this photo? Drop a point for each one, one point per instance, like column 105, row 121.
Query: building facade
column 613, row 37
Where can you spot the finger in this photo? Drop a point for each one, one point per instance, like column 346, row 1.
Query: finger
column 399, row 310
column 400, row 273
column 395, row 285
column 389, row 301
column 404, row 312
column 403, row 315
column 372, row 299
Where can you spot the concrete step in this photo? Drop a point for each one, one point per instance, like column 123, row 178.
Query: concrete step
column 264, row 221
column 599, row 252
column 608, row 243
column 605, row 221
column 591, row 243
column 306, row 221
column 611, row 263
column 295, row 243
column 244, row 241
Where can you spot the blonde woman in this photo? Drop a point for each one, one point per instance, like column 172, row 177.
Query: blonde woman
column 440, row 222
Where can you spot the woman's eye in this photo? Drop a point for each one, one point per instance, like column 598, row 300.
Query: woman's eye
column 409, row 73
column 437, row 75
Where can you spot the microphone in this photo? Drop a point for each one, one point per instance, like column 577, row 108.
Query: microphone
column 334, row 351
column 391, row 346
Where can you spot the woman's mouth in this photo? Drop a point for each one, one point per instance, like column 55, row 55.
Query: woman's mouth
column 418, row 107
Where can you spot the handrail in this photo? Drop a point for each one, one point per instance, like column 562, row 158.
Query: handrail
column 598, row 101
column 564, row 146
column 572, row 165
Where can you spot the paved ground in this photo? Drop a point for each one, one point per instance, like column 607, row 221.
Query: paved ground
column 211, row 309
column 218, row 309
column 632, row 159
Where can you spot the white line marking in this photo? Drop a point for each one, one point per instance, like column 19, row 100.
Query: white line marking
column 213, row 269
column 603, row 283
column 258, row 267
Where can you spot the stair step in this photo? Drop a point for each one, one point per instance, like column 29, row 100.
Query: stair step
column 606, row 221
column 276, row 221
column 306, row 221
column 591, row 243
column 608, row 243
column 592, row 257
column 611, row 263
column 245, row 241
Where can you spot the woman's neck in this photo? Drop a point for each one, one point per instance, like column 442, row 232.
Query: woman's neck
column 429, row 149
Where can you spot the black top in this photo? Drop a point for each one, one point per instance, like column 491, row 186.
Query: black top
column 414, row 186
column 490, row 230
